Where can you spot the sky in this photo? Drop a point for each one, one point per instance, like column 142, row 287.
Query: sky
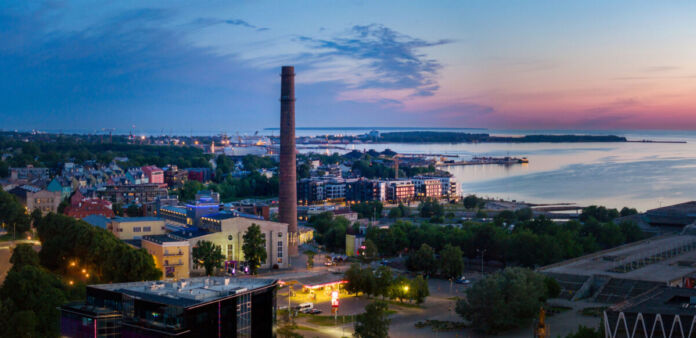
column 214, row 65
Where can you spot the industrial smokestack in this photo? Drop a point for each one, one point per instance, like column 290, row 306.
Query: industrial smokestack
column 287, row 209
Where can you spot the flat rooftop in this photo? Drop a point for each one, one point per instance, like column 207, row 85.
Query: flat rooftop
column 187, row 292
column 660, row 259
column 159, row 239
column 665, row 301
column 136, row 219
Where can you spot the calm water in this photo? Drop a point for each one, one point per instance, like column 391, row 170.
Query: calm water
column 639, row 175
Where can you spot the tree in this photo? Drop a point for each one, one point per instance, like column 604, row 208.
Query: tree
column 207, row 255
column 116, row 207
column 22, row 255
column 4, row 169
column 303, row 171
column 254, row 248
column 471, row 202
column 431, row 208
column 35, row 216
column 13, row 214
column 374, row 323
column 189, row 190
column 394, row 213
column 31, row 289
column 423, row 260
column 451, row 262
column 63, row 205
column 353, row 277
column 368, row 209
column 505, row 300
column 626, row 211
column 370, row 252
column 310, row 258
column 418, row 289
column 133, row 211
column 383, row 279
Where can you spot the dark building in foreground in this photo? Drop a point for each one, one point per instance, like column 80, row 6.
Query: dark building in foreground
column 665, row 312
column 287, row 194
column 195, row 307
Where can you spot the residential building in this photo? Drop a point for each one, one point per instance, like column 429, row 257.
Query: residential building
column 127, row 228
column 200, row 174
column 28, row 174
column 427, row 187
column 365, row 190
column 194, row 307
column 153, row 174
column 173, row 213
column 400, row 191
column 36, row 198
column 89, row 206
column 132, row 193
column 171, row 255
column 61, row 185
column 175, row 177
column 450, row 187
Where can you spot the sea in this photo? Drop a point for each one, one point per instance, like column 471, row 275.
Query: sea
column 633, row 174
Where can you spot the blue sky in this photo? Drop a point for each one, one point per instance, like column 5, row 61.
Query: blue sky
column 213, row 65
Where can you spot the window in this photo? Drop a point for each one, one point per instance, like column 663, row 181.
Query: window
column 147, row 229
column 280, row 249
column 136, row 229
column 280, row 234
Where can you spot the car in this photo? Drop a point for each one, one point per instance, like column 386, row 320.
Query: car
column 462, row 280
column 328, row 263
column 313, row 311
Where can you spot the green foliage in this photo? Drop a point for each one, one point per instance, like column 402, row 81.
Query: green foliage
column 400, row 211
column 254, row 248
column 431, row 208
column 4, row 169
column 31, row 296
column 110, row 260
column 189, row 190
column 471, row 202
column 586, row 332
column 330, row 230
column 252, row 185
column 253, row 163
column 552, row 287
column 505, row 300
column 353, row 276
column 117, row 209
column 600, row 214
column 383, row 279
column 64, row 204
column 451, row 262
column 133, row 211
column 423, row 260
column 374, row 323
column 310, row 258
column 626, row 211
column 370, row 252
column 12, row 214
column 303, row 171
column 23, row 255
column 368, row 209
column 207, row 255
column 372, row 169
column 52, row 152
column 419, row 289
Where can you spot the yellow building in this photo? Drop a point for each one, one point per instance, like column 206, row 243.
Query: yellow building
column 171, row 255
column 136, row 227
column 306, row 234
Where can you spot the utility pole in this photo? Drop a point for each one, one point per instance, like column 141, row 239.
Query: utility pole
column 482, row 252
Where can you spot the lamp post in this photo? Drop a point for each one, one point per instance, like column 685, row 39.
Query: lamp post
column 482, row 252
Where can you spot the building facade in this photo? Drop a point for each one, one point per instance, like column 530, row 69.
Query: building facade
column 36, row 198
column 133, row 193
column 171, row 255
column 227, row 230
column 127, row 228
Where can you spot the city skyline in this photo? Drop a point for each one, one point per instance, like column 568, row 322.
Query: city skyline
column 527, row 65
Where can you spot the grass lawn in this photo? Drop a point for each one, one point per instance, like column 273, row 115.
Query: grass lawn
column 593, row 311
column 411, row 305
column 6, row 237
column 330, row 321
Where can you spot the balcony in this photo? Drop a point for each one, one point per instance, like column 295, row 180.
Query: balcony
column 174, row 253
column 173, row 263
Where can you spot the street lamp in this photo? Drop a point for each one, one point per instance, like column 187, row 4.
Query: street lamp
column 482, row 252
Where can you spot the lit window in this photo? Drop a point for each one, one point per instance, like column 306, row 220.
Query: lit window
column 136, row 229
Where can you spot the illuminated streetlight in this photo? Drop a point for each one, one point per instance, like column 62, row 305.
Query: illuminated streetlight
column 72, row 263
column 70, row 282
column 84, row 270
column 406, row 288
column 87, row 275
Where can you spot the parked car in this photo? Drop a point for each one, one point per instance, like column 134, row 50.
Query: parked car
column 313, row 311
column 304, row 307
column 462, row 280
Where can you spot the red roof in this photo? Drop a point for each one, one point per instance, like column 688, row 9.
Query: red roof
column 90, row 206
